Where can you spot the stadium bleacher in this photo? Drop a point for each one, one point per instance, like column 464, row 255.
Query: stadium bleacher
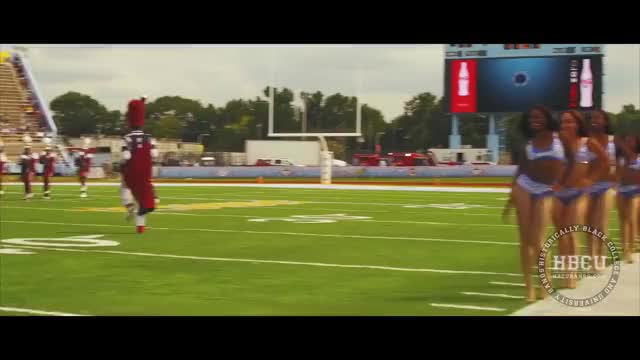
column 16, row 119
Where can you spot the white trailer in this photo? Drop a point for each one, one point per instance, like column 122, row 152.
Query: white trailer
column 305, row 153
column 464, row 155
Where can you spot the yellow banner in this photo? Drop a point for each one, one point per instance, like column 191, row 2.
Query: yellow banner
column 4, row 56
column 208, row 206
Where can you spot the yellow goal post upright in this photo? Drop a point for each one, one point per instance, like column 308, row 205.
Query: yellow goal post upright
column 326, row 156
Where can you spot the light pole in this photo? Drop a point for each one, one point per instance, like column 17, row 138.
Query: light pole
column 304, row 96
column 259, row 128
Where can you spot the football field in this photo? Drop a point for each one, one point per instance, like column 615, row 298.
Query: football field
column 238, row 250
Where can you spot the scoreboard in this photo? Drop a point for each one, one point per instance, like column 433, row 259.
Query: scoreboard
column 493, row 78
column 469, row 51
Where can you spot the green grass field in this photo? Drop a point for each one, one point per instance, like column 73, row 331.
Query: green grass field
column 261, row 251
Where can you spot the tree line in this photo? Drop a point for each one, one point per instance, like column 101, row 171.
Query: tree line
column 423, row 124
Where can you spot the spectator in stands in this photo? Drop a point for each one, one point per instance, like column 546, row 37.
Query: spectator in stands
column 42, row 121
column 17, row 63
column 20, row 72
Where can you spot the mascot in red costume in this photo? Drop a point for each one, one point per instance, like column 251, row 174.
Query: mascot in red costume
column 138, row 151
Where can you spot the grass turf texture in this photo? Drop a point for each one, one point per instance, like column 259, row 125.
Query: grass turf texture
column 401, row 239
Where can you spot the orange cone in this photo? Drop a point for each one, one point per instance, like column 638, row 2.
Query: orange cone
column 260, row 180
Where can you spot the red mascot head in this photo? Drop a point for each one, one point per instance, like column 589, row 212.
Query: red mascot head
column 135, row 114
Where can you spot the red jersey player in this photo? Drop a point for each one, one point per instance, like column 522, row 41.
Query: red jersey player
column 138, row 149
column 48, row 160
column 27, row 167
column 83, row 162
column 3, row 161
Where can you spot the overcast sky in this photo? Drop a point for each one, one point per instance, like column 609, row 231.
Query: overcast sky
column 384, row 76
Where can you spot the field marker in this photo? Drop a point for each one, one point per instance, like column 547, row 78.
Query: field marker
column 294, row 208
column 493, row 295
column 470, row 307
column 506, row 283
column 374, row 267
column 74, row 241
column 275, row 233
column 10, row 251
column 37, row 312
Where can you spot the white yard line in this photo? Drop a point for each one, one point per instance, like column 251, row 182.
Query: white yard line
column 286, row 208
column 274, row 233
column 374, row 267
column 492, row 295
column 435, row 223
column 506, row 283
column 430, row 210
column 469, row 307
column 37, row 312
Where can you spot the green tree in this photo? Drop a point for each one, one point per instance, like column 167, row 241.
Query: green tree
column 372, row 124
column 176, row 104
column 261, row 118
column 187, row 111
column 314, row 103
column 113, row 123
column 167, row 127
column 416, row 129
column 78, row 114
column 283, row 110
column 627, row 121
column 338, row 113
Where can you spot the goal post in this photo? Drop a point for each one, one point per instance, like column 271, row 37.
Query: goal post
column 326, row 156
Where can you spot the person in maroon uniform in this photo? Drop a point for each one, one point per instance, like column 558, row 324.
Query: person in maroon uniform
column 27, row 167
column 3, row 161
column 48, row 160
column 138, row 149
column 83, row 162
